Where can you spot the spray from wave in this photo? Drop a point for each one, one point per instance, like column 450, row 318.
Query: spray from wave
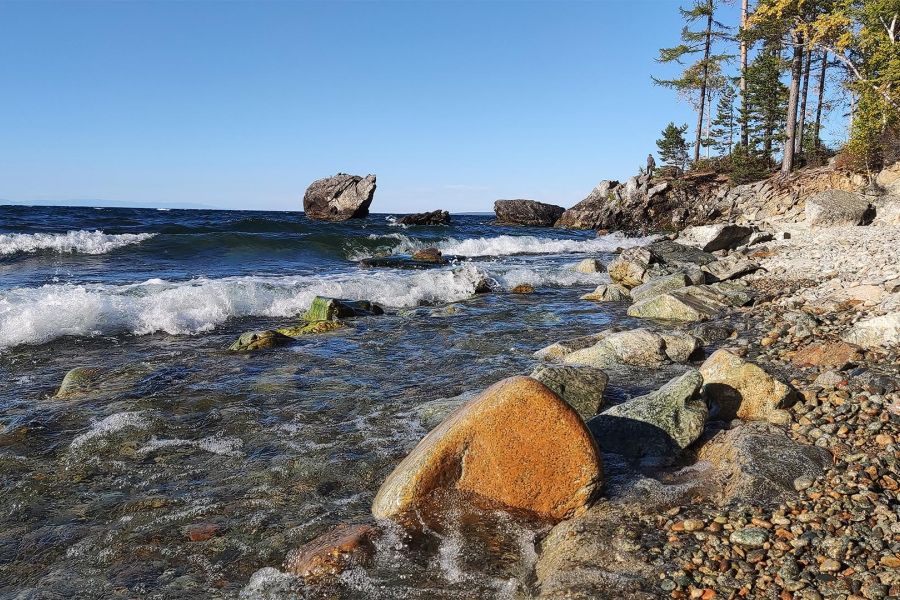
column 502, row 245
column 73, row 242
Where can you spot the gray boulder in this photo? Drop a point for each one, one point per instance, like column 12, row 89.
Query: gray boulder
column 339, row 198
column 631, row 267
column 528, row 213
column 837, row 208
column 637, row 347
column 581, row 387
column 559, row 350
column 722, row 236
column 608, row 292
column 659, row 425
column 729, row 267
column 660, row 285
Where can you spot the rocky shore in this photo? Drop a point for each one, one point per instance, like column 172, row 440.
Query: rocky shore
column 765, row 468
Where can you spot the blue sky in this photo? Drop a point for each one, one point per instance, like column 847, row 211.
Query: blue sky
column 242, row 104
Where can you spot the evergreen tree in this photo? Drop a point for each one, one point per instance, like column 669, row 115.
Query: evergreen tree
column 672, row 146
column 695, row 79
column 767, row 99
column 725, row 125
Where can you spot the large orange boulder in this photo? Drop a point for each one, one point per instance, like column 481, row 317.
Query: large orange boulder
column 517, row 444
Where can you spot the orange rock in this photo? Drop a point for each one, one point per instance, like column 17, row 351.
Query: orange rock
column 742, row 389
column 517, row 444
column 202, row 531
column 828, row 354
column 332, row 552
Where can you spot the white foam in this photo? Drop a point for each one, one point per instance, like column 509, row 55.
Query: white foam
column 505, row 245
column 223, row 446
column 41, row 314
column 112, row 424
column 80, row 242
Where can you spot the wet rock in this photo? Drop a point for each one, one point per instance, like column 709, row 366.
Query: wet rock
column 589, row 265
column 581, row 387
column 633, row 347
column 332, row 309
column 710, row 333
column 529, row 213
column 659, row 425
column 315, row 328
column 558, row 350
column 608, row 292
column 741, row 389
column 876, row 331
column 523, row 288
column 78, row 381
column 660, row 285
column 339, row 198
column 758, row 463
column 400, row 262
column 331, row 553
column 260, row 340
column 710, row 238
column 836, row 208
column 834, row 354
column 517, row 444
column 432, row 255
column 436, row 217
column 630, row 268
column 679, row 347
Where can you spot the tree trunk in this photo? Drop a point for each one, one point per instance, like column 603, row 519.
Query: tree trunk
column 818, row 126
column 801, row 126
column 703, row 83
column 745, row 128
column 790, row 131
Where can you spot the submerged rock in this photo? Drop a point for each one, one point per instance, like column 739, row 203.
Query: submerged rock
column 608, row 292
column 332, row 309
column 314, row 328
column 517, row 444
column 331, row 553
column 526, row 212
column 659, row 425
column 260, row 340
column 436, row 217
column 722, row 236
column 581, row 387
column 523, row 288
column 837, row 208
column 743, row 390
column 78, row 381
column 758, row 463
column 400, row 262
column 339, row 198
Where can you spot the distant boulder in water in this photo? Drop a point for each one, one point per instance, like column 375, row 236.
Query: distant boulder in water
column 528, row 213
column 339, row 198
column 436, row 217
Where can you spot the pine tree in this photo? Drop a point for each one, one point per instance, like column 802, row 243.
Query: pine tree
column 725, row 124
column 767, row 99
column 672, row 146
column 695, row 79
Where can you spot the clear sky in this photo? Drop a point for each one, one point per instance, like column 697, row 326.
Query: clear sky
column 242, row 104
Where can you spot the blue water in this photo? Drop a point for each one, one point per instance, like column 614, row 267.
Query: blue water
column 272, row 447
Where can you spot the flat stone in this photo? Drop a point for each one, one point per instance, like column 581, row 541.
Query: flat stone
column 676, row 306
column 834, row 354
column 558, row 350
column 710, row 238
column 730, row 267
column 331, row 553
column 517, row 444
column 639, row 347
column 660, row 285
column 608, row 292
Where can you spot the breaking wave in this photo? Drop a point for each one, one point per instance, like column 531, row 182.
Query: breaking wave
column 71, row 242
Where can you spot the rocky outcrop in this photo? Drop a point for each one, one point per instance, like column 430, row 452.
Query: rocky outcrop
column 332, row 552
column 659, row 425
column 436, row 217
column 528, row 213
column 581, row 387
column 339, row 198
column 740, row 389
column 836, row 208
column 517, row 444
column 590, row 213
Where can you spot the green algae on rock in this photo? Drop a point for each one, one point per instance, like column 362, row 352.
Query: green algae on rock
column 260, row 340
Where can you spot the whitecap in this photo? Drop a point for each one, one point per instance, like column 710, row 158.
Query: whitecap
column 74, row 242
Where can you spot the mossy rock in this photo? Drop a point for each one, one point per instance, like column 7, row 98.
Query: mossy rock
column 312, row 328
column 332, row 309
column 78, row 380
column 260, row 340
